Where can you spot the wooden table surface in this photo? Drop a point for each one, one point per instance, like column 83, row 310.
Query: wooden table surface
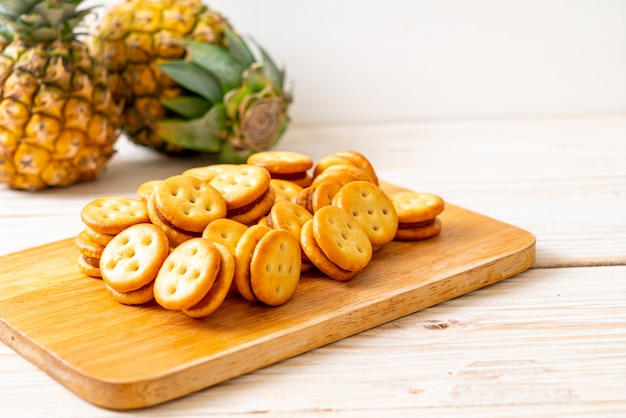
column 548, row 342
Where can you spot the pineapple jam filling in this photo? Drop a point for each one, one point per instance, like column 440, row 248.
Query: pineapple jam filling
column 94, row 262
column 174, row 227
column 289, row 176
column 410, row 225
column 248, row 207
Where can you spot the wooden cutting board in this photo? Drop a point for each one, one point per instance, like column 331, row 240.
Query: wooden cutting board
column 122, row 357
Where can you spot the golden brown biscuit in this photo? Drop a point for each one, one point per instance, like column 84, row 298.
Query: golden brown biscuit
column 133, row 258
column 251, row 214
column 323, row 194
column 243, row 255
column 241, row 185
column 89, row 266
column 275, row 267
column 98, row 237
column 342, row 173
column 140, row 296
column 428, row 229
column 189, row 203
column 225, row 231
column 187, row 274
column 174, row 235
column 206, row 173
column 218, row 292
column 317, row 257
column 111, row 215
column 341, row 238
column 87, row 247
column 285, row 190
column 289, row 163
column 147, row 188
column 371, row 207
column 413, row 207
column 347, row 157
column 290, row 217
column 359, row 160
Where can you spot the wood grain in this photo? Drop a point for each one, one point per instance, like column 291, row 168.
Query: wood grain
column 124, row 357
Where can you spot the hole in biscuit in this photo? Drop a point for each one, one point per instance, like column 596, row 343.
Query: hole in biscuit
column 355, row 213
column 375, row 228
column 193, row 251
column 370, row 212
column 364, row 194
column 134, row 266
column 385, row 211
column 195, row 274
column 172, row 289
column 124, row 240
column 279, row 289
column 146, row 241
column 182, row 270
column 280, row 268
column 186, row 211
column 268, row 268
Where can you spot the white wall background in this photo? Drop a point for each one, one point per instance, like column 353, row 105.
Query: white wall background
column 404, row 60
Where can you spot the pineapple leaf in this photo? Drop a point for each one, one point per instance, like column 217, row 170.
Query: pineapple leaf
column 192, row 135
column 193, row 78
column 237, row 47
column 216, row 121
column 189, row 107
column 218, row 62
column 229, row 155
column 271, row 70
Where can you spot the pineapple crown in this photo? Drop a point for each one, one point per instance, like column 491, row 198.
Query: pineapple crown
column 42, row 21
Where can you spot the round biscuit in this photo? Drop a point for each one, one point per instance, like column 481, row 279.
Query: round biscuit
column 113, row 214
column 285, row 190
column 221, row 286
column 304, row 198
column 140, row 296
column 175, row 236
column 371, row 207
column 88, row 247
column 281, row 162
column 342, row 173
column 323, row 194
column 224, row 231
column 98, row 237
column 419, row 233
column 342, row 238
column 241, row 184
column 413, row 207
column 275, row 267
column 289, row 216
column 187, row 274
column 189, row 203
column 258, row 210
column 317, row 258
column 206, row 173
column 147, row 188
column 133, row 258
column 359, row 160
column 243, row 255
column 89, row 266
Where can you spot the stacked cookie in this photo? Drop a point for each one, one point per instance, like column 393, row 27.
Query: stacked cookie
column 190, row 240
column 104, row 218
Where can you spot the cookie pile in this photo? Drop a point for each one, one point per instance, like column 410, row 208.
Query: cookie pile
column 191, row 240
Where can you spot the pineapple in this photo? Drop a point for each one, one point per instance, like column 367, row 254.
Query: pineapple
column 133, row 38
column 188, row 82
column 58, row 121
